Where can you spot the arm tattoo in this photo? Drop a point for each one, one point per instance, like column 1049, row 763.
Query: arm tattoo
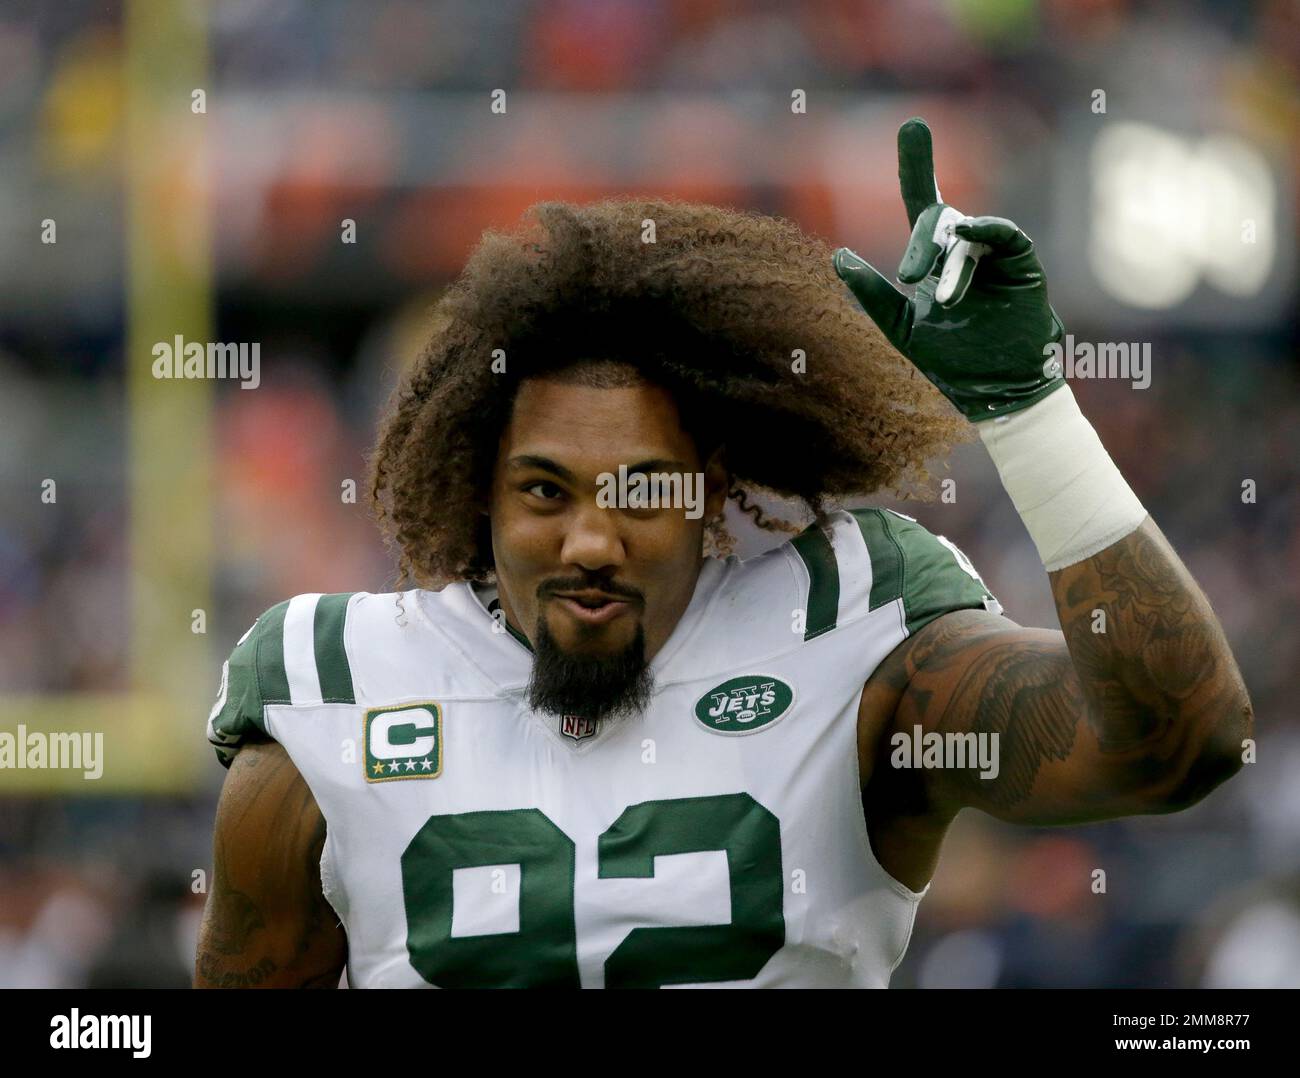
column 1152, row 660
column 222, row 976
column 973, row 672
column 1025, row 695
column 235, row 916
column 267, row 920
column 1141, row 659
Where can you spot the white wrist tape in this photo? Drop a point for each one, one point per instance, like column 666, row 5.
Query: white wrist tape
column 1062, row 481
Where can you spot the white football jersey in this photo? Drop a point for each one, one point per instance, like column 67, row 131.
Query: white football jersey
column 717, row 839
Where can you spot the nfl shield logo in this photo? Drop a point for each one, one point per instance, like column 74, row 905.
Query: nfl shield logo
column 578, row 727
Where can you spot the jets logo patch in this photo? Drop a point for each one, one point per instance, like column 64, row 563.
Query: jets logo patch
column 403, row 742
column 744, row 705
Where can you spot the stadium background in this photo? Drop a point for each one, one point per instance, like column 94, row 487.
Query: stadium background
column 225, row 225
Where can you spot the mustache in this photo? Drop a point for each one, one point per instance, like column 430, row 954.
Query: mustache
column 592, row 583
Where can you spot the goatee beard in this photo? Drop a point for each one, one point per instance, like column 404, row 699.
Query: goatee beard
column 593, row 686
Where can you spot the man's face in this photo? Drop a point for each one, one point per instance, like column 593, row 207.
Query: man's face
column 597, row 589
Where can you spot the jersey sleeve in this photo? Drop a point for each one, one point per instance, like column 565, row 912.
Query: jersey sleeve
column 249, row 680
column 866, row 559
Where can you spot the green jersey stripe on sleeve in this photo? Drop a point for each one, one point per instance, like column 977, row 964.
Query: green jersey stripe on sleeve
column 238, row 702
column 272, row 681
column 935, row 577
column 253, row 670
column 331, row 656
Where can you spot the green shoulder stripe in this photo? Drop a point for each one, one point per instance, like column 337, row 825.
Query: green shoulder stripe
column 331, row 657
column 245, row 679
column 272, row 681
column 886, row 556
column 927, row 571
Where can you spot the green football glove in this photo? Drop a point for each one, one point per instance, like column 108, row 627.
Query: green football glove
column 979, row 322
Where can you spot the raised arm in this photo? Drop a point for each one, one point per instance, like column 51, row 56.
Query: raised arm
column 1138, row 705
column 266, row 923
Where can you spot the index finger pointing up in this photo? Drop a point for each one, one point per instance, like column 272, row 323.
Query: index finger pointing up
column 916, row 168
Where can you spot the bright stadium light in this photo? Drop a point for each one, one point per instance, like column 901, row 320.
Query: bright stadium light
column 1167, row 211
column 1239, row 214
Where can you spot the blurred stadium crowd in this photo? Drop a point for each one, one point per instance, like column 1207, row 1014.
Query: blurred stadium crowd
column 377, row 112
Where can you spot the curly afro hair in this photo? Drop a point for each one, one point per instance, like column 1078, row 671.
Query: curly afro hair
column 739, row 315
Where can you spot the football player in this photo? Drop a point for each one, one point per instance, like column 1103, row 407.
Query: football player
column 588, row 747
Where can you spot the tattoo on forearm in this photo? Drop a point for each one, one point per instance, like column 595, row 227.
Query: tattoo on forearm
column 1161, row 670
